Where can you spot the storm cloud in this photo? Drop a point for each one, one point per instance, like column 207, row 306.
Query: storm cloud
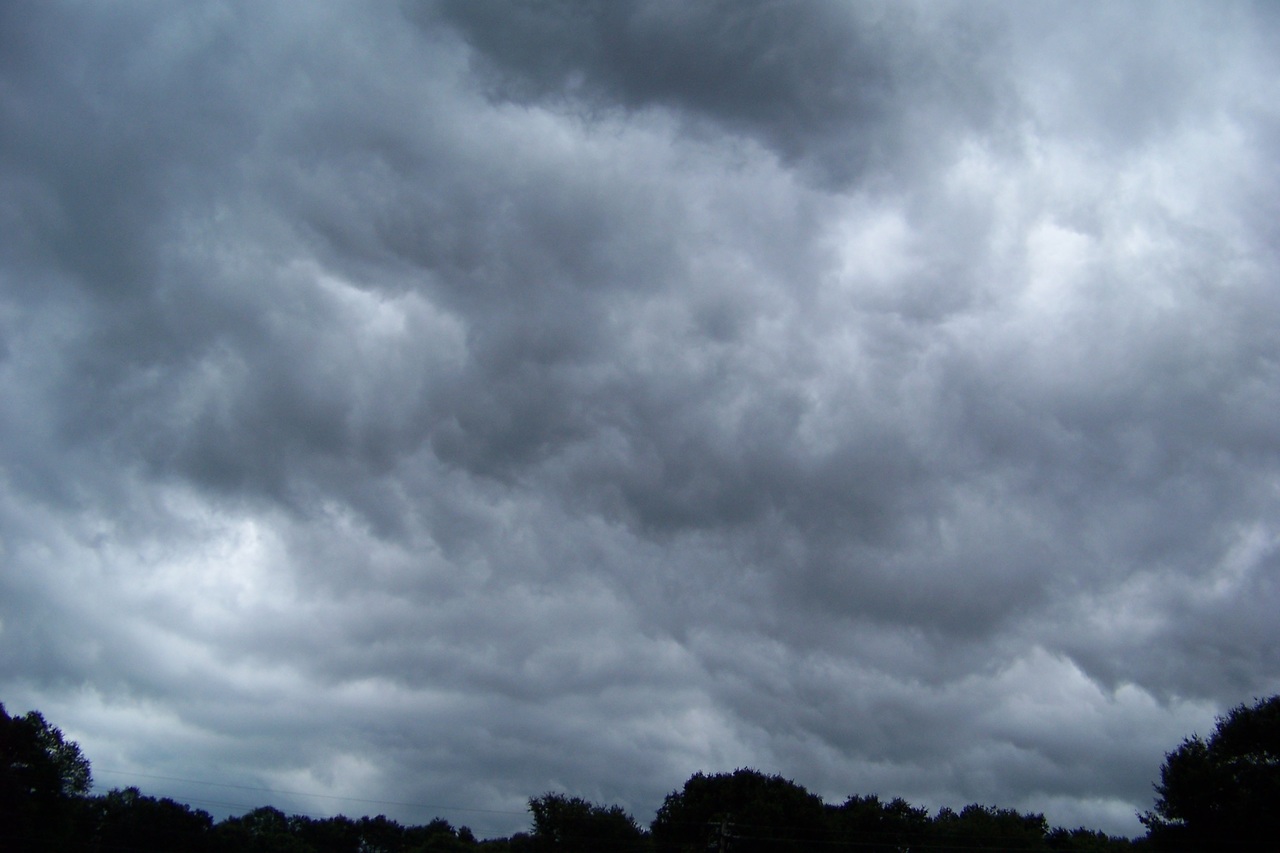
column 413, row 408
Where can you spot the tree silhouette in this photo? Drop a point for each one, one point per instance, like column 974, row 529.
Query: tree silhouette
column 990, row 828
column 878, row 827
column 264, row 830
column 743, row 811
column 128, row 820
column 572, row 824
column 1224, row 792
column 42, row 778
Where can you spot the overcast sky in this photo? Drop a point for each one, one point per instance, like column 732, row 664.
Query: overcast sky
column 415, row 407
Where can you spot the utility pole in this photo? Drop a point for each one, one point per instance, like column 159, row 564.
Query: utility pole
column 720, row 840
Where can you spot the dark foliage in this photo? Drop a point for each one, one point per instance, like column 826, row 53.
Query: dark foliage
column 753, row 811
column 878, row 827
column 331, row 835
column 263, row 830
column 128, row 820
column 573, row 825
column 1220, row 793
column 1224, row 792
column 989, row 828
column 1083, row 840
column 43, row 777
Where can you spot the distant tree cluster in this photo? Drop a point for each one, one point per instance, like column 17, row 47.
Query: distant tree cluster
column 749, row 812
column 1220, row 793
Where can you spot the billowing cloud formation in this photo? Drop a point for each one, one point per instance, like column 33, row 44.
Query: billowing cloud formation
column 444, row 403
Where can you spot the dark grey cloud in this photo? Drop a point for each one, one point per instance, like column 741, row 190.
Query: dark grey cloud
column 445, row 403
column 841, row 91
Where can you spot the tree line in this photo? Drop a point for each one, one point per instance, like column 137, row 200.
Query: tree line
column 1220, row 792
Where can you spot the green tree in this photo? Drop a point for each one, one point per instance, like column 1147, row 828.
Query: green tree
column 128, row 820
column 1223, row 792
column 874, row 826
column 572, row 824
column 339, row 834
column 264, row 830
column 381, row 834
column 747, row 808
column 990, row 828
column 43, row 779
column 1083, row 840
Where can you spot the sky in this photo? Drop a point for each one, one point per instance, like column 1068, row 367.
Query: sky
column 416, row 407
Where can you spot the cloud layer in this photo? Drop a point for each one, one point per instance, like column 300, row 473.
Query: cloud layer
column 448, row 402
